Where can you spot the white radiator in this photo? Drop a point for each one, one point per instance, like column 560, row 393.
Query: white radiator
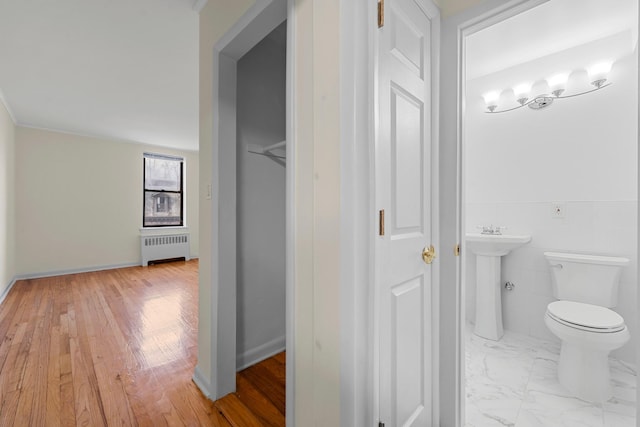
column 161, row 247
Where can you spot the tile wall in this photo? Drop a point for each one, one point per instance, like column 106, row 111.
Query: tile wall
column 589, row 227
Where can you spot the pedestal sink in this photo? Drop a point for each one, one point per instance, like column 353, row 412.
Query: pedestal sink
column 489, row 248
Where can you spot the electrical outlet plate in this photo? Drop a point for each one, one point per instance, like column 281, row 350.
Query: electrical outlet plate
column 558, row 210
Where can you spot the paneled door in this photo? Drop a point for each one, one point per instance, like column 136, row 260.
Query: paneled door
column 405, row 173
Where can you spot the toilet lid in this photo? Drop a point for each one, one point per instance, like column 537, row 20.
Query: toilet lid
column 586, row 316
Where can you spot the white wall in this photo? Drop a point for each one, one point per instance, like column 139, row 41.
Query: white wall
column 261, row 201
column 581, row 152
column 318, row 211
column 79, row 201
column 7, row 199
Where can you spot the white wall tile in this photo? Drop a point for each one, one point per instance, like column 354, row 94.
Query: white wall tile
column 607, row 227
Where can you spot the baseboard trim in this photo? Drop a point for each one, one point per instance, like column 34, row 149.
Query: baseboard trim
column 75, row 271
column 260, row 353
column 8, row 289
column 200, row 381
column 54, row 273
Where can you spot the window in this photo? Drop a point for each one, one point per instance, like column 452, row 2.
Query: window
column 163, row 191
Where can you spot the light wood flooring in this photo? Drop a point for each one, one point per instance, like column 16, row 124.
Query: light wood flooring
column 118, row 347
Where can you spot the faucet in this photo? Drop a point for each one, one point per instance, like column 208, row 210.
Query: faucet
column 491, row 229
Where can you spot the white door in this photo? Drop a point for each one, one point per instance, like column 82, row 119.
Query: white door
column 404, row 178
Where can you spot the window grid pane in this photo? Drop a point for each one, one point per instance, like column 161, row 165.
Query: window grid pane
column 162, row 174
column 163, row 201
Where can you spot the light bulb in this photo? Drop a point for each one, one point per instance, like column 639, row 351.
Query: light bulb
column 491, row 100
column 558, row 83
column 491, row 97
column 598, row 73
column 522, row 92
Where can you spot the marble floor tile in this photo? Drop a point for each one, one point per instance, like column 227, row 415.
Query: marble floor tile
column 513, row 382
column 612, row 419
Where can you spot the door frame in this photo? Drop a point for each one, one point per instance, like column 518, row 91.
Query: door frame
column 494, row 14
column 357, row 29
column 256, row 23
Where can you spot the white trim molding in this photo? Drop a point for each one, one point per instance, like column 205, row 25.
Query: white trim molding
column 358, row 29
column 290, row 215
column 201, row 381
column 54, row 273
column 7, row 290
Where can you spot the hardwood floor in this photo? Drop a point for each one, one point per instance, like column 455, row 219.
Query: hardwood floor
column 118, row 347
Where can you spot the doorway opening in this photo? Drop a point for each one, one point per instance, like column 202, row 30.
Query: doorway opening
column 250, row 294
column 566, row 176
column 260, row 198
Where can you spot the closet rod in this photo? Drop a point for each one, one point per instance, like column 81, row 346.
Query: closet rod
column 274, row 146
column 266, row 154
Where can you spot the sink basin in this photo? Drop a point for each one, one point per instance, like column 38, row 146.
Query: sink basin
column 489, row 248
column 495, row 244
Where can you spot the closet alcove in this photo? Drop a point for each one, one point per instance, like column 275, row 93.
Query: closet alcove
column 260, row 198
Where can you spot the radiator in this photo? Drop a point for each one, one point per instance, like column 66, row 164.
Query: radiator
column 161, row 247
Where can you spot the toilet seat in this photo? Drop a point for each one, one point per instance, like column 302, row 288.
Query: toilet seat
column 586, row 317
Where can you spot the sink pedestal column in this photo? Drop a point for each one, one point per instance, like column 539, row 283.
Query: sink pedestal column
column 488, row 298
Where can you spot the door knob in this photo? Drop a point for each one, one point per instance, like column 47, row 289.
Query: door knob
column 428, row 254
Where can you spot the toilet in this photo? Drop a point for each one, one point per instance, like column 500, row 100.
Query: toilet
column 586, row 287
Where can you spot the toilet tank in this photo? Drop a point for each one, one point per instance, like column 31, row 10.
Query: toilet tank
column 591, row 279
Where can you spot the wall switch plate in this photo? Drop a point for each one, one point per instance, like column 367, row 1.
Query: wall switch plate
column 558, row 210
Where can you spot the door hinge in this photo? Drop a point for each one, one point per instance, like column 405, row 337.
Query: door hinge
column 381, row 223
column 380, row 13
column 456, row 250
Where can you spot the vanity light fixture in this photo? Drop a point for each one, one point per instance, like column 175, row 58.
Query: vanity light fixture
column 557, row 84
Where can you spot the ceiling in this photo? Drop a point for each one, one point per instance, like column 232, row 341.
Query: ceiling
column 117, row 69
column 552, row 27
column 128, row 69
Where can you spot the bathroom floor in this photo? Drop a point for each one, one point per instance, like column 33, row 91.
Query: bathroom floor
column 513, row 382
